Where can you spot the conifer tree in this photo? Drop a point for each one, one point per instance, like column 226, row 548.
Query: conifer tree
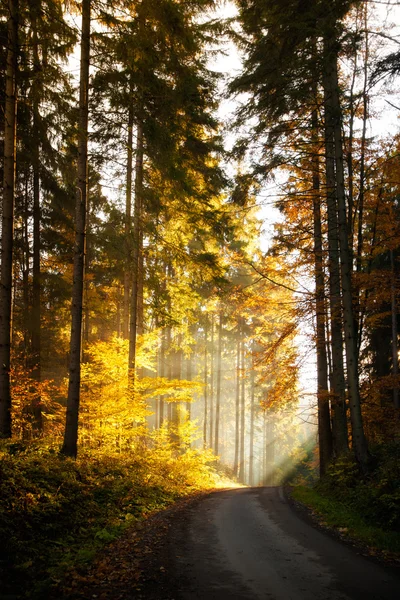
column 70, row 445
column 9, row 170
column 281, row 62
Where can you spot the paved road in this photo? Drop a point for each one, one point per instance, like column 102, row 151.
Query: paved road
column 249, row 544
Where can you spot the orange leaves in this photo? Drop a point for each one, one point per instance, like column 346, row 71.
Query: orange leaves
column 26, row 393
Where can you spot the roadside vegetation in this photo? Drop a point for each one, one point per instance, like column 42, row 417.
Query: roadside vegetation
column 57, row 513
column 363, row 510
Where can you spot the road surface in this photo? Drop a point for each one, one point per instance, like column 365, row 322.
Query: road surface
column 248, row 543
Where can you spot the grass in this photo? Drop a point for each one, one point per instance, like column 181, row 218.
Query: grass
column 344, row 518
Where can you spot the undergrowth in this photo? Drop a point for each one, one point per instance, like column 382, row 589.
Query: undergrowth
column 365, row 508
column 56, row 512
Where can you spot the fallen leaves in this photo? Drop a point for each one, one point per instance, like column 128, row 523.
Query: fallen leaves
column 137, row 562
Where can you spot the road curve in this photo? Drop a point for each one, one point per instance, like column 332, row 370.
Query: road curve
column 247, row 544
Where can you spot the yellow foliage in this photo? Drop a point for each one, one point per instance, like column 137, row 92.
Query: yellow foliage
column 112, row 412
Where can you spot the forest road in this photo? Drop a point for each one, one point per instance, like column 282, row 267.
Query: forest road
column 249, row 543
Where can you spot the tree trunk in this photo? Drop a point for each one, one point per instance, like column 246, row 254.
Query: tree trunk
column 331, row 90
column 128, row 222
column 362, row 178
column 10, row 122
column 218, row 390
column 270, row 450
column 86, row 326
column 189, row 377
column 395, row 349
column 237, row 404
column 363, row 148
column 25, row 254
column 162, row 374
column 36, row 308
column 338, row 392
column 252, row 419
column 140, row 307
column 242, row 409
column 324, row 421
column 168, row 360
column 211, row 443
column 205, row 426
column 136, row 252
column 264, row 450
column 70, row 445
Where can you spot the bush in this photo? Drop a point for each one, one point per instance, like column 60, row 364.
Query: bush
column 54, row 510
column 376, row 497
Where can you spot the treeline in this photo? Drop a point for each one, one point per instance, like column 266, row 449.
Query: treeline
column 310, row 75
column 115, row 203
column 129, row 259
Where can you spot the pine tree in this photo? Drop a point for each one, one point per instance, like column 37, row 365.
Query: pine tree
column 10, row 121
column 70, row 445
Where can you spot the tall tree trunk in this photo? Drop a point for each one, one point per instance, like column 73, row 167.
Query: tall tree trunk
column 86, row 321
column 70, row 445
column 128, row 221
column 264, row 449
column 237, row 404
column 36, row 308
column 25, row 255
column 205, row 426
column 252, row 417
column 338, row 392
column 361, row 194
column 242, row 408
column 176, row 373
column 168, row 360
column 324, row 421
column 162, row 374
column 140, row 286
column 270, row 450
column 363, row 147
column 118, row 312
column 136, row 251
column 189, row 377
column 395, row 349
column 212, row 353
column 331, row 90
column 218, row 390
column 10, row 123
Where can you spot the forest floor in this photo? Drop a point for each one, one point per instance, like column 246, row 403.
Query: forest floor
column 137, row 565
column 62, row 521
column 134, row 566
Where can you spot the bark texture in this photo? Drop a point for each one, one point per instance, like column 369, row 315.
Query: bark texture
column 133, row 331
column 324, row 423
column 70, row 445
column 10, row 120
column 331, row 90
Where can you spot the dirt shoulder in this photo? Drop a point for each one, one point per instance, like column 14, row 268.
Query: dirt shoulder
column 318, row 520
column 134, row 566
